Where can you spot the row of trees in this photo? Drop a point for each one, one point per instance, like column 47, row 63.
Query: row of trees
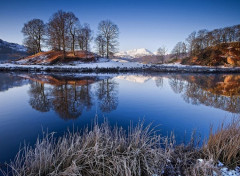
column 197, row 41
column 63, row 32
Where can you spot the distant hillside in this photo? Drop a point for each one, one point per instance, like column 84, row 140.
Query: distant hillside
column 53, row 57
column 155, row 60
column 227, row 54
column 11, row 51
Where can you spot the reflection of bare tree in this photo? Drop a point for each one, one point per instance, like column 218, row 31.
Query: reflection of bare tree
column 159, row 81
column 38, row 97
column 176, row 84
column 70, row 100
column 67, row 97
column 107, row 91
column 86, row 96
column 219, row 91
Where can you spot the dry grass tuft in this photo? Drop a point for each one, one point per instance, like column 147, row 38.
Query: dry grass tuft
column 224, row 144
column 102, row 151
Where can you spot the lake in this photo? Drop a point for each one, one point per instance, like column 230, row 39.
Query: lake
column 34, row 102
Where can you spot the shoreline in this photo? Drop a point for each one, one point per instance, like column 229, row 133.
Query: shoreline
column 141, row 68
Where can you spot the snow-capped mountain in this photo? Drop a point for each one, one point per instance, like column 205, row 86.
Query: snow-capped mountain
column 135, row 53
column 9, row 51
column 12, row 46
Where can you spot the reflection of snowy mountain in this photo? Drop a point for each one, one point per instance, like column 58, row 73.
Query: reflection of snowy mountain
column 135, row 78
column 135, row 53
column 8, row 81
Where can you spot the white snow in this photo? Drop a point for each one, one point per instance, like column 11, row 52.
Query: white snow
column 228, row 172
column 224, row 170
column 102, row 63
column 135, row 53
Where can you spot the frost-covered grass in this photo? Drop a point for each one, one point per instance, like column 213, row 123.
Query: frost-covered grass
column 106, row 151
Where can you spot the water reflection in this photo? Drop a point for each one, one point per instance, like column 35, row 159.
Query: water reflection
column 39, row 97
column 69, row 96
column 10, row 80
column 218, row 91
column 107, row 93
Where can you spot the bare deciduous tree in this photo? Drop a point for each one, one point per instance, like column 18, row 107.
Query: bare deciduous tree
column 191, row 39
column 72, row 22
column 34, row 32
column 100, row 45
column 84, row 36
column 203, row 38
column 180, row 48
column 109, row 32
column 161, row 52
column 58, row 30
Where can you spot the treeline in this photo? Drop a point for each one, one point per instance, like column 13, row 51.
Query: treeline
column 201, row 39
column 63, row 32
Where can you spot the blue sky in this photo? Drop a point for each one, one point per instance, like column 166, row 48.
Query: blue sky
column 143, row 24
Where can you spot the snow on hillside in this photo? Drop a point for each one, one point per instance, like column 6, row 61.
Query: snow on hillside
column 13, row 46
column 135, row 53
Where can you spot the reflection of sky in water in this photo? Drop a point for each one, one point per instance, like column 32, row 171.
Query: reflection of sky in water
column 125, row 99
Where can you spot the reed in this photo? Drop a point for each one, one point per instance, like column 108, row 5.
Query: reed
column 106, row 151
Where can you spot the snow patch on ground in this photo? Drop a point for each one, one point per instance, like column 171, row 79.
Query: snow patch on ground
column 228, row 172
column 224, row 170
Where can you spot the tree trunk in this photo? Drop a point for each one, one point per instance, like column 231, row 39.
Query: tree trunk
column 107, row 49
column 73, row 44
column 63, row 40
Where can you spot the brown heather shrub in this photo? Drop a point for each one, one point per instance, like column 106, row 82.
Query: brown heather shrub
column 224, row 144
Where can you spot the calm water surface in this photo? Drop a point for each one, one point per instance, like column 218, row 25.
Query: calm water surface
column 30, row 103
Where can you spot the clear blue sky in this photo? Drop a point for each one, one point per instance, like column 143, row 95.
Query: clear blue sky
column 143, row 24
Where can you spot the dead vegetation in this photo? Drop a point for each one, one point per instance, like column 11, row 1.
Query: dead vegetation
column 103, row 151
column 224, row 144
column 227, row 54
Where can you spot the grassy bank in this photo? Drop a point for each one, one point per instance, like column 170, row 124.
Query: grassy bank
column 104, row 151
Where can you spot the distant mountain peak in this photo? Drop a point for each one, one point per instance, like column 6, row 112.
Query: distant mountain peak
column 134, row 53
column 9, row 51
column 12, row 46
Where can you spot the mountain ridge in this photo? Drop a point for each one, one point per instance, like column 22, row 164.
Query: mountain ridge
column 9, row 51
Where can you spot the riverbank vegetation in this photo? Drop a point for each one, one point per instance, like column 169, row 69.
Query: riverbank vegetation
column 210, row 48
column 103, row 150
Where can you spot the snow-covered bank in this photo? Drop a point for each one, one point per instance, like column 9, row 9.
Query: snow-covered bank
column 118, row 66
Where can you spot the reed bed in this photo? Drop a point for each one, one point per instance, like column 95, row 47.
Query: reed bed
column 140, row 151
